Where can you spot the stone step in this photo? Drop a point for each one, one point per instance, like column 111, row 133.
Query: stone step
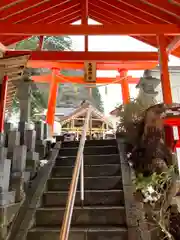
column 89, row 171
column 96, row 150
column 89, row 160
column 104, row 143
column 97, row 233
column 90, row 183
column 99, row 215
column 91, row 198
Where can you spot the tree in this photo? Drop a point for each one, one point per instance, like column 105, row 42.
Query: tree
column 132, row 113
column 39, row 99
column 50, row 43
column 97, row 99
column 154, row 165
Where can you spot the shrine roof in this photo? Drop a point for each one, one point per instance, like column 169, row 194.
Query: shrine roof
column 82, row 110
column 102, row 11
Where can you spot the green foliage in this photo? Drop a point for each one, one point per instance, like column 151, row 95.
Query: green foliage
column 155, row 181
column 50, row 43
column 157, row 192
column 57, row 43
column 133, row 111
column 28, row 44
column 97, row 99
column 53, row 43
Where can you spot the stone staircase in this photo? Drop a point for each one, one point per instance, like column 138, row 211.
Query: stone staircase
column 103, row 215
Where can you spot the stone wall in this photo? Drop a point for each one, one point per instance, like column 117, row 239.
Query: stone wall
column 135, row 215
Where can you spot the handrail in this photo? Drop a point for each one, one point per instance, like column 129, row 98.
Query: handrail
column 73, row 187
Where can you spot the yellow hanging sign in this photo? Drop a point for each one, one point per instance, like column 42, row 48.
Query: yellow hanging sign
column 90, row 72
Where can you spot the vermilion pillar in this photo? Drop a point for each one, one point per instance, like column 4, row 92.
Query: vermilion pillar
column 84, row 14
column 125, row 91
column 41, row 42
column 52, row 99
column 163, row 62
column 3, row 96
column 124, row 86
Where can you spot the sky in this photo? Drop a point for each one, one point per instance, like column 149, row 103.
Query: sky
column 115, row 43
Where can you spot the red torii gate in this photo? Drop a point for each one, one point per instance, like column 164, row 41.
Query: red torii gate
column 157, row 24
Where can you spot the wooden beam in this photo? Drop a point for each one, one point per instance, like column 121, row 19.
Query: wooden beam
column 87, row 56
column 173, row 45
column 165, row 6
column 109, row 29
column 84, row 21
column 132, row 65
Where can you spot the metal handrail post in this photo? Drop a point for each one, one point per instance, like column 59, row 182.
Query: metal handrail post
column 73, row 187
column 82, row 181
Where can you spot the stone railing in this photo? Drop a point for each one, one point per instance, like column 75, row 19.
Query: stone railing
column 20, row 155
column 27, row 210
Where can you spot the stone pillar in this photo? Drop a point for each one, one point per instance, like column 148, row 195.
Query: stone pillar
column 6, row 197
column 24, row 96
column 30, row 140
column 13, row 140
column 39, row 127
column 18, row 171
column 45, row 130
column 40, row 142
column 23, row 127
column 7, row 128
column 19, row 159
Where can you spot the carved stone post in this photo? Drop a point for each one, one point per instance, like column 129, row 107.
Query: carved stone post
column 24, row 96
column 147, row 92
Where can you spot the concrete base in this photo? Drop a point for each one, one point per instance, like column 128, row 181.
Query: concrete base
column 7, row 198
